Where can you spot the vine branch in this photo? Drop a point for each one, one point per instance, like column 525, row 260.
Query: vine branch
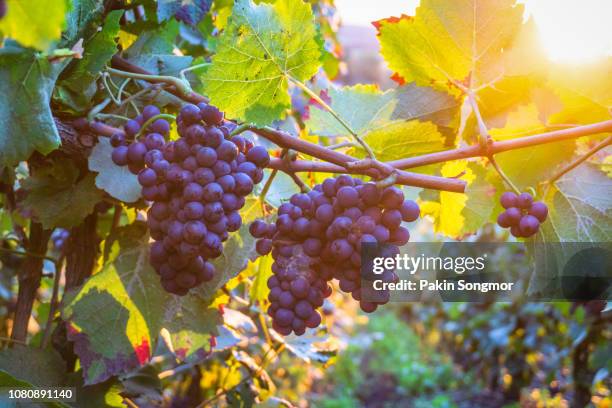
column 337, row 162
column 601, row 145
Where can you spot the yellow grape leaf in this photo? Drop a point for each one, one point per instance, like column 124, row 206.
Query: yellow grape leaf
column 460, row 40
column 400, row 139
column 529, row 166
column 456, row 215
column 34, row 23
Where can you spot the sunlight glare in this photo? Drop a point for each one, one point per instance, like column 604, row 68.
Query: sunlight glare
column 570, row 30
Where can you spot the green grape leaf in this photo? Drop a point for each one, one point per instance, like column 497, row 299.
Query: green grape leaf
column 117, row 181
column 153, row 51
column 26, row 80
column 34, row 23
column 80, row 21
column 49, row 370
column 102, row 395
column 129, row 293
column 530, row 166
column 278, row 42
column 456, row 215
column 362, row 107
column 192, row 324
column 399, row 139
column 365, row 108
column 78, row 79
column 426, row 104
column 580, row 207
column 58, row 198
column 446, row 41
column 580, row 212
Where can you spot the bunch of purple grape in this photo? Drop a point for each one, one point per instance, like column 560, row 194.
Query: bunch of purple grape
column 318, row 237
column 523, row 215
column 197, row 184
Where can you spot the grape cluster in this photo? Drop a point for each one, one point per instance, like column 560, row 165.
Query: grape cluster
column 523, row 215
column 318, row 237
column 197, row 185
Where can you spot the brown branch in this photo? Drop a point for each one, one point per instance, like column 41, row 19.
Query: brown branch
column 339, row 163
column 29, row 280
column 504, row 146
column 601, row 145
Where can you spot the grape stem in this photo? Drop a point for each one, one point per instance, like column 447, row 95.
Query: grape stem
column 601, row 145
column 182, row 87
column 194, row 67
column 265, row 189
column 503, row 175
column 240, row 129
column 485, row 141
column 111, row 116
column 336, row 116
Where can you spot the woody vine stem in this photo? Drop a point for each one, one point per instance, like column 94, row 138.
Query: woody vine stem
column 333, row 161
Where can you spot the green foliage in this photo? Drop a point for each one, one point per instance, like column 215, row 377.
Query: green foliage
column 387, row 350
column 128, row 291
column 153, row 51
column 78, row 86
column 277, row 43
column 59, row 197
column 27, row 80
column 44, row 24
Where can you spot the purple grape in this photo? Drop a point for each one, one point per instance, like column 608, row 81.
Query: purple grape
column 524, row 201
column 227, row 151
column 136, row 152
column 147, row 177
column 508, row 199
column 213, row 192
column 120, row 155
column 206, row 157
column 259, row 156
column 118, row 139
column 211, row 115
column 410, row 211
column 149, row 111
column 529, row 225
column 539, row 210
column 263, row 246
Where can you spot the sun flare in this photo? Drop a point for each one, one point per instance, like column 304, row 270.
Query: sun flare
column 573, row 31
column 570, row 30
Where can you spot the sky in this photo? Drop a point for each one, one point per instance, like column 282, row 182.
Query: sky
column 570, row 30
